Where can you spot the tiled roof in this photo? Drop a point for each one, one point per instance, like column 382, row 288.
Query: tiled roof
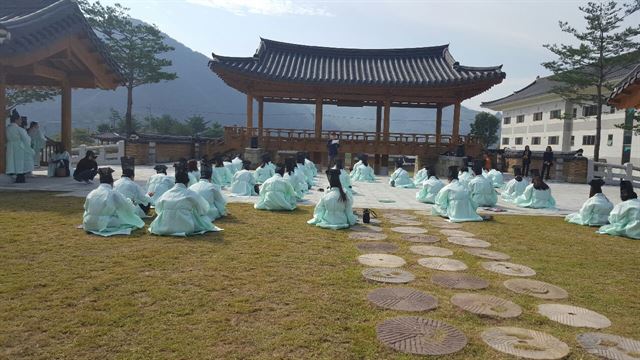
column 632, row 78
column 426, row 66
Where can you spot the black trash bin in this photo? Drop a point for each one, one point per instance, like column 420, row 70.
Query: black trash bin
column 254, row 142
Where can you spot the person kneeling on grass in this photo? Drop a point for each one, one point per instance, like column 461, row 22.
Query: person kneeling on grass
column 107, row 212
column 210, row 192
column 537, row 195
column 481, row 189
column 134, row 192
column 595, row 211
column 400, row 178
column 430, row 188
column 345, row 179
column 243, row 182
column 264, row 171
column 515, row 187
column 496, row 177
column 221, row 174
column 624, row 219
column 277, row 193
column 181, row 212
column 334, row 210
column 159, row 183
column 454, row 201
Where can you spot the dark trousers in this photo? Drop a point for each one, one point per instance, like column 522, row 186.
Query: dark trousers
column 546, row 167
column 145, row 208
column 85, row 175
column 525, row 168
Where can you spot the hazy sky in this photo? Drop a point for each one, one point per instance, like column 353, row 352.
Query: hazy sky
column 480, row 33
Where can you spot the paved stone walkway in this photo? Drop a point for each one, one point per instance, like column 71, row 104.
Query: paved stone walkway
column 378, row 195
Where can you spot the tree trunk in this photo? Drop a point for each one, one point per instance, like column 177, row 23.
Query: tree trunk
column 128, row 117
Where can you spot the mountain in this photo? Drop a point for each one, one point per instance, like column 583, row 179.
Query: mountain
column 199, row 91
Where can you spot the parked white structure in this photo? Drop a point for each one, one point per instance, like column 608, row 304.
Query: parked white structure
column 535, row 116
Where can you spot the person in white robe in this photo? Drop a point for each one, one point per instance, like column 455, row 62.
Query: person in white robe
column 159, row 183
column 595, row 211
column 194, row 173
column 464, row 176
column 303, row 170
column 210, row 192
column 454, row 201
column 624, row 219
column 481, row 189
column 345, row 179
column 134, row 192
column 38, row 141
column 295, row 179
column 17, row 149
column 29, row 163
column 277, row 194
column 311, row 166
column 335, row 208
column 515, row 187
column 243, row 182
column 354, row 168
column 364, row 172
column 496, row 177
column 237, row 164
column 421, row 176
column 537, row 195
column 264, row 171
column 400, row 177
column 221, row 174
column 430, row 188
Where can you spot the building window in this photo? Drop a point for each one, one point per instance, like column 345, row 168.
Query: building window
column 535, row 140
column 610, row 140
column 518, row 141
column 505, row 141
column 573, row 140
column 537, row 116
column 555, row 114
column 520, row 119
column 589, row 140
column 574, row 114
column 612, row 110
column 553, row 140
column 507, row 120
column 590, row 110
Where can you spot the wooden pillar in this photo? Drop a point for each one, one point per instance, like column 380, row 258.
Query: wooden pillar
column 249, row 112
column 438, row 125
column 260, row 115
column 455, row 132
column 65, row 116
column 319, row 156
column 386, row 125
column 3, row 124
column 376, row 163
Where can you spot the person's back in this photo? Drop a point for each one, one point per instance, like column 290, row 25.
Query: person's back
column 158, row 184
column 496, row 177
column 16, row 150
column 454, row 202
column 335, row 208
column 514, row 188
column 86, row 169
column 276, row 194
column 429, row 191
column 243, row 184
column 400, row 178
column 594, row 212
column 213, row 195
column 624, row 219
column 482, row 192
column 181, row 212
column 263, row 173
column 464, row 177
column 421, row 176
column 536, row 198
column 223, row 173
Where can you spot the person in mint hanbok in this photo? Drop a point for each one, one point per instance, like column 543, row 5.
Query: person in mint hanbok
column 237, row 164
column 194, row 173
column 221, row 174
column 421, row 176
column 454, row 201
column 496, row 177
column 364, row 172
column 134, row 192
column 400, row 178
column 481, row 189
column 311, row 166
column 29, row 163
column 464, row 176
column 430, row 188
column 38, row 141
column 159, row 183
column 297, row 182
column 17, row 149
column 515, row 187
column 264, row 171
column 210, row 192
column 243, row 182
column 537, row 195
column 277, row 193
column 595, row 211
column 345, row 179
column 354, row 169
column 303, row 170
column 624, row 219
column 181, row 212
column 335, row 208
column 107, row 212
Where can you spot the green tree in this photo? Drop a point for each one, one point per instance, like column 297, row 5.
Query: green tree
column 165, row 125
column 81, row 136
column 584, row 70
column 135, row 47
column 485, row 128
column 117, row 124
column 215, row 131
column 196, row 124
column 17, row 97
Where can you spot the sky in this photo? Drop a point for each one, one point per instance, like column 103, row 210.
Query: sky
column 479, row 33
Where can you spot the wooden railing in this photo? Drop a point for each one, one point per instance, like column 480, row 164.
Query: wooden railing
column 49, row 149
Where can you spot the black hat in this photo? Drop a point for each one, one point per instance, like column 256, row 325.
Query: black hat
column 453, row 172
column 399, row 162
column 180, row 166
column 105, row 174
column 128, row 172
column 626, row 190
column 596, row 185
column 205, row 171
column 14, row 115
column 339, row 164
column 266, row 157
column 246, row 164
column 364, row 157
column 160, row 168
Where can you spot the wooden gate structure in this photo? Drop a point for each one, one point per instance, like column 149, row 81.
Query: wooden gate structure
column 426, row 77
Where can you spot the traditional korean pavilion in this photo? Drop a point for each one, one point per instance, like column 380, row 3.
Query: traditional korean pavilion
column 627, row 93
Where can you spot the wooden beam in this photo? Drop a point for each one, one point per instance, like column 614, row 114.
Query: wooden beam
column 455, row 131
column 48, row 72
column 318, row 132
column 65, row 116
column 378, row 121
column 94, row 63
column 438, row 125
column 249, row 112
column 260, row 115
column 387, row 120
column 3, row 124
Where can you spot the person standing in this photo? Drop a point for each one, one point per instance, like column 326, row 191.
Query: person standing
column 526, row 160
column 38, row 141
column 16, row 149
column 332, row 147
column 26, row 139
column 547, row 162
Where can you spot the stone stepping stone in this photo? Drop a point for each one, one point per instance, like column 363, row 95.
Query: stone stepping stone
column 536, row 288
column 507, row 268
column 420, row 336
column 381, row 260
column 459, row 281
column 442, row 264
column 445, row 225
column 409, row 230
column 525, row 343
column 367, row 236
column 405, row 222
column 574, row 316
column 388, row 275
column 423, row 212
column 456, row 233
column 373, row 221
column 469, row 242
column 488, row 254
column 609, row 346
column 486, row 305
column 395, row 215
column 365, row 228
column 420, row 238
column 430, row 250
column 402, row 299
column 377, row 247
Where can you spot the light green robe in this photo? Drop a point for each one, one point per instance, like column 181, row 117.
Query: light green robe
column 107, row 213
column 331, row 213
column 38, row 142
column 624, row 220
column 18, row 149
column 159, row 184
column 594, row 212
column 223, row 174
column 536, row 199
column 402, row 179
column 311, row 166
column 464, row 178
column 364, row 174
column 306, row 174
column 496, row 177
column 421, row 176
column 211, row 193
column 482, row 191
column 454, row 202
column 181, row 212
column 354, row 169
column 298, row 184
column 345, row 181
column 276, row 194
column 429, row 191
column 194, row 177
column 513, row 189
column 243, row 184
column 263, row 174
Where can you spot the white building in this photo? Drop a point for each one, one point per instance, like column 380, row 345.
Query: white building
column 535, row 116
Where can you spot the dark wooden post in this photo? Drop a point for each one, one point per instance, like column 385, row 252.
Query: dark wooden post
column 249, row 112
column 376, row 164
column 384, row 166
column 3, row 135
column 438, row 125
column 260, row 115
column 318, row 155
column 455, row 132
column 65, row 116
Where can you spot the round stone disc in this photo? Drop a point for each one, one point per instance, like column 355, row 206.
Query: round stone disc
column 367, row 236
column 459, row 281
column 525, row 343
column 470, row 242
column 430, row 250
column 536, row 288
column 574, row 316
column 393, row 215
column 381, row 260
column 456, row 233
column 416, row 335
column 377, row 247
column 420, row 238
column 445, row 225
column 423, row 212
column 443, row 264
column 409, row 230
column 405, row 222
column 402, row 299
column 488, row 254
column 373, row 221
column 507, row 268
column 365, row 228
column 486, row 305
column 610, row 346
column 388, row 275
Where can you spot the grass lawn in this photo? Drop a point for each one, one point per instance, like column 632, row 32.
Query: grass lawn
column 269, row 286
